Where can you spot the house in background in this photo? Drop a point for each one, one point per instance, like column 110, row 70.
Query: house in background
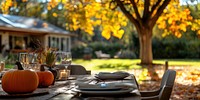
column 16, row 33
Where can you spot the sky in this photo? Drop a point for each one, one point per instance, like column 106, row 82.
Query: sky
column 183, row 2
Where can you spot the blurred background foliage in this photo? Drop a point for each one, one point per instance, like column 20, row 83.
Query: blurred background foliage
column 187, row 46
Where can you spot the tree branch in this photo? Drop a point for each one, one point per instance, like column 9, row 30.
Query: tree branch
column 127, row 14
column 135, row 9
column 155, row 6
column 146, row 9
column 159, row 11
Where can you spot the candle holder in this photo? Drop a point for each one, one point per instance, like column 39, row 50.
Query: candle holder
column 64, row 74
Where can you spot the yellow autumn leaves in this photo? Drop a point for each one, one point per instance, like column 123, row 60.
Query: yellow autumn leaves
column 86, row 17
column 174, row 21
column 6, row 4
column 87, row 14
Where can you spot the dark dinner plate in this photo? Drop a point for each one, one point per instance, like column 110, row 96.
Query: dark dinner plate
column 100, row 89
column 106, row 92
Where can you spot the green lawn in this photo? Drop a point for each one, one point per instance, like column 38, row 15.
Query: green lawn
column 127, row 64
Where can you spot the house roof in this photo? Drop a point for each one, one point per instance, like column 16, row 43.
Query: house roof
column 26, row 24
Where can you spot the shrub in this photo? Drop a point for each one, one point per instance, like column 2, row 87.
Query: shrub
column 127, row 54
column 105, row 47
column 77, row 51
column 178, row 48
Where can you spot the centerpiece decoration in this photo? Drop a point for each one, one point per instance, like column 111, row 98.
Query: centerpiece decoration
column 50, row 61
column 46, row 78
column 19, row 81
column 47, row 57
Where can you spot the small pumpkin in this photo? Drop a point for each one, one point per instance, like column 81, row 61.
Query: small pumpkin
column 19, row 81
column 45, row 77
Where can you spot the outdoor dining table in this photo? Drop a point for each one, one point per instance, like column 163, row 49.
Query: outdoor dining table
column 66, row 90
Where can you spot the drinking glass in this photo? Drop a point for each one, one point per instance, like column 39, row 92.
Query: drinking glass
column 66, row 58
column 24, row 59
column 58, row 57
column 2, row 65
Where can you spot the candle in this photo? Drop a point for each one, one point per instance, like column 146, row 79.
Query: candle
column 64, row 74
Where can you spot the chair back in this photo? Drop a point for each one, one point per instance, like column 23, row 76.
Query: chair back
column 164, row 78
column 77, row 70
column 167, row 85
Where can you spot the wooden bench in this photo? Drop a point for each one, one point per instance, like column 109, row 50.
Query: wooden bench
column 100, row 54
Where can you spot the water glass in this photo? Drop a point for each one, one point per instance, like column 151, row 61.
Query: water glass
column 27, row 58
column 67, row 58
column 64, row 58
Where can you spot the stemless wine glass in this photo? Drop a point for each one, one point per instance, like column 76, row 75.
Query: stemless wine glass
column 24, row 59
column 33, row 62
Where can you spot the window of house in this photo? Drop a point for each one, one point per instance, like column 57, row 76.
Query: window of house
column 18, row 42
column 62, row 43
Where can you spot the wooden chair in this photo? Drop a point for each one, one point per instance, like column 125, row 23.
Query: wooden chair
column 165, row 90
column 78, row 70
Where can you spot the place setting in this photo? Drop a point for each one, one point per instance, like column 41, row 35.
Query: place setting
column 105, row 84
column 105, row 89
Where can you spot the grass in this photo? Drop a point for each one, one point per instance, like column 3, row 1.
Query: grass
column 127, row 64
column 9, row 66
column 108, row 64
column 180, row 62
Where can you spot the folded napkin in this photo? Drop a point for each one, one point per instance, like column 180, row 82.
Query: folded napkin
column 114, row 75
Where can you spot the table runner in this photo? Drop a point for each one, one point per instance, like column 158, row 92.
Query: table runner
column 134, row 95
column 63, row 90
column 39, row 93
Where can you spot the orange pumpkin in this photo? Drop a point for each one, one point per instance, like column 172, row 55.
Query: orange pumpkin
column 45, row 77
column 19, row 81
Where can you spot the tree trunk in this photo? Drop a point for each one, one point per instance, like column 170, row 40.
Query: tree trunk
column 146, row 56
column 145, row 38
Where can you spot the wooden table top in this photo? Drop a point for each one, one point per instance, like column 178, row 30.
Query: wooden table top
column 64, row 90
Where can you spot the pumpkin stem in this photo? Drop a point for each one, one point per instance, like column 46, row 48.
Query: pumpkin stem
column 19, row 65
column 42, row 68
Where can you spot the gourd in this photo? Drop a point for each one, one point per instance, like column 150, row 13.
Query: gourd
column 46, row 78
column 19, row 81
